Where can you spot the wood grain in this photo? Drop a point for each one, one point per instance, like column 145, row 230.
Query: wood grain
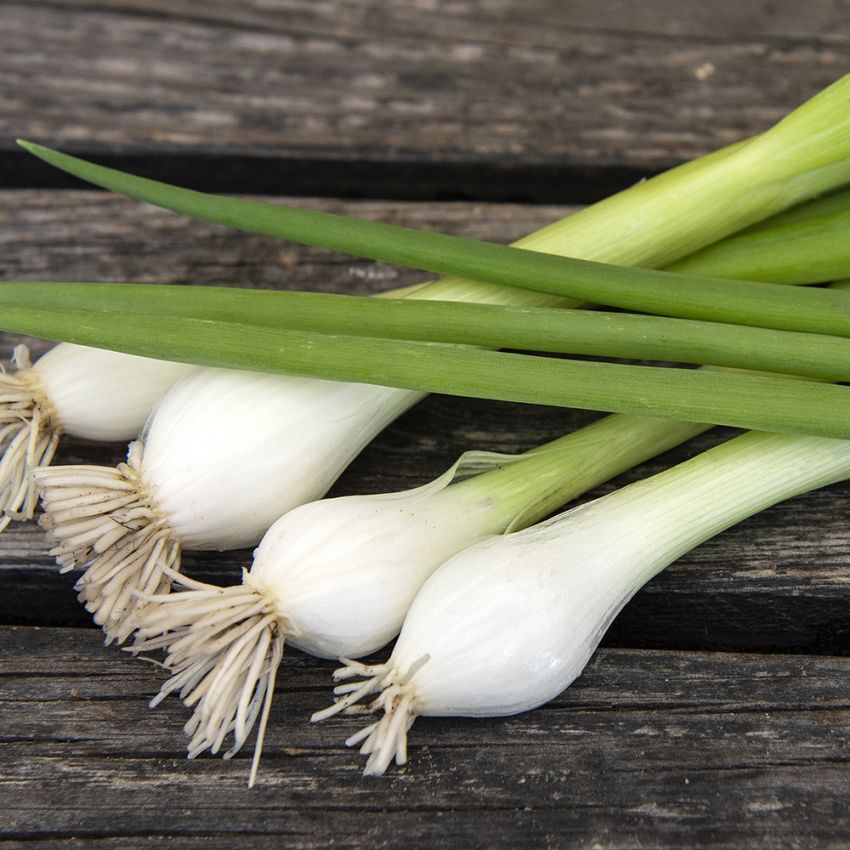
column 780, row 581
column 649, row 749
column 660, row 744
column 522, row 99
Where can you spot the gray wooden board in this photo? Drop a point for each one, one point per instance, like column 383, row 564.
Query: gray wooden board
column 780, row 581
column 662, row 746
column 527, row 99
column 646, row 749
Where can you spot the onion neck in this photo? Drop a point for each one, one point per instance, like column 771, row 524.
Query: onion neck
column 669, row 514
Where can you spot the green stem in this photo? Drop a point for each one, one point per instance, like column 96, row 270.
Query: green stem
column 532, row 329
column 711, row 299
column 701, row 497
column 815, row 250
column 742, row 400
column 545, row 478
column 835, row 203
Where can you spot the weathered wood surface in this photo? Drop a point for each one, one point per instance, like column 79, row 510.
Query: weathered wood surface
column 648, row 749
column 527, row 99
column 780, row 581
column 659, row 744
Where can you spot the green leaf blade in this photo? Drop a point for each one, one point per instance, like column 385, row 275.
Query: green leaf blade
column 711, row 299
column 741, row 400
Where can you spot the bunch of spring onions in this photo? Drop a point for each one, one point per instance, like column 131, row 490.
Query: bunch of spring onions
column 126, row 526
column 227, row 643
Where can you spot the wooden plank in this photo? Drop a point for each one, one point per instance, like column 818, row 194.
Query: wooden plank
column 660, row 749
column 523, row 99
column 780, row 581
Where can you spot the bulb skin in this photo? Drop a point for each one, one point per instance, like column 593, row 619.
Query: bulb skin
column 509, row 623
column 227, row 452
column 344, row 571
column 103, row 395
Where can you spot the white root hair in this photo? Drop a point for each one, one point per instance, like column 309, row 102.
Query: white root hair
column 102, row 520
column 29, row 436
column 224, row 647
column 386, row 739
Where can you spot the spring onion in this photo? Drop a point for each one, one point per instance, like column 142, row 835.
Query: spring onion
column 650, row 224
column 571, row 575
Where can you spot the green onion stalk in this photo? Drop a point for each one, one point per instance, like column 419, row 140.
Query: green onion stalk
column 547, row 329
column 813, row 249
